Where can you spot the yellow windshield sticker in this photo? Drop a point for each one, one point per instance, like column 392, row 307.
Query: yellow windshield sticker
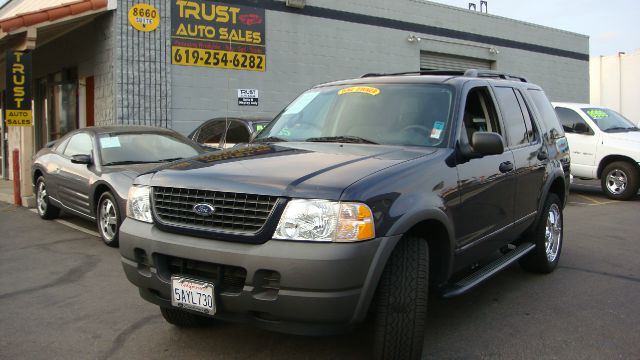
column 360, row 89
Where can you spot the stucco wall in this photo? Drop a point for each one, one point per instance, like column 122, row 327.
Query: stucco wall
column 306, row 50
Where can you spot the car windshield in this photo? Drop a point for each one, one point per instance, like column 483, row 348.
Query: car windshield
column 609, row 120
column 132, row 148
column 394, row 114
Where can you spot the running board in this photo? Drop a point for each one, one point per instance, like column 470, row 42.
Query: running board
column 487, row 271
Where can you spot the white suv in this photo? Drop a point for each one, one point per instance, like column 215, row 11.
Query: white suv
column 604, row 145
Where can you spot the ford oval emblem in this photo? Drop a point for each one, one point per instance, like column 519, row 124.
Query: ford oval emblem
column 203, row 209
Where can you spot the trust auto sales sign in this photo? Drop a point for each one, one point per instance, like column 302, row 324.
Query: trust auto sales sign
column 18, row 106
column 217, row 35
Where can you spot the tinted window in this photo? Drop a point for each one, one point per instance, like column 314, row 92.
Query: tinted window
column 569, row 118
column 237, row 133
column 544, row 108
column 211, row 133
column 512, row 116
column 532, row 131
column 142, row 148
column 79, row 144
column 479, row 113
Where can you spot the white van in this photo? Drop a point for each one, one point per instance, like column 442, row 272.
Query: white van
column 604, row 145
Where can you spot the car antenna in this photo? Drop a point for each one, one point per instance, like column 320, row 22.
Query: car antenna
column 226, row 115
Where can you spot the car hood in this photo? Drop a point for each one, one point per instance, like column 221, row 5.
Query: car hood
column 130, row 171
column 631, row 137
column 307, row 170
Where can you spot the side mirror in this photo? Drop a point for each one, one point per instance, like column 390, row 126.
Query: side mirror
column 487, row 143
column 81, row 159
column 581, row 128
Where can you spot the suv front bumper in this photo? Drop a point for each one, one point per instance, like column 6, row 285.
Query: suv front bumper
column 322, row 288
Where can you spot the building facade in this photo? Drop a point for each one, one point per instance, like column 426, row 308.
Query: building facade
column 614, row 81
column 177, row 63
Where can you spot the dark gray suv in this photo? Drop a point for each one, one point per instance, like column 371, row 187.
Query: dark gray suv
column 359, row 198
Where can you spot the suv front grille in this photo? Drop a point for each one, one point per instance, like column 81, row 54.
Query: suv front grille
column 233, row 212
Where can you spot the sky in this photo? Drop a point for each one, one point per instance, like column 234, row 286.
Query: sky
column 612, row 25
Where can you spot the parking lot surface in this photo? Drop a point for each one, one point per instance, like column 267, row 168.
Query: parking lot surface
column 63, row 295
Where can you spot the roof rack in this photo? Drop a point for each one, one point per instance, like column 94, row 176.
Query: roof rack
column 469, row 73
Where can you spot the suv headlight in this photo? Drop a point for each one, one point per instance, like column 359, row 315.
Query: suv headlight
column 324, row 220
column 138, row 204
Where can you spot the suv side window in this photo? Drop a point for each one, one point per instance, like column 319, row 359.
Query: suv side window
column 569, row 119
column 79, row 144
column 547, row 114
column 480, row 113
column 532, row 130
column 512, row 116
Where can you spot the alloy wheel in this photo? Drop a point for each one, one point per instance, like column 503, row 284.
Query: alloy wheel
column 617, row 181
column 108, row 219
column 553, row 232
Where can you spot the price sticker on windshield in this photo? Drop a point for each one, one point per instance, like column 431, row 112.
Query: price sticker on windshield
column 596, row 114
column 360, row 89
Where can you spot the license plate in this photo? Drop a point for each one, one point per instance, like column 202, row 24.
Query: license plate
column 193, row 295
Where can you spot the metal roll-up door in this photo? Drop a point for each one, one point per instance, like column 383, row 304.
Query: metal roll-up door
column 437, row 61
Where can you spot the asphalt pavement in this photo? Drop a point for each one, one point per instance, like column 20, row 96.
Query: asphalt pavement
column 63, row 295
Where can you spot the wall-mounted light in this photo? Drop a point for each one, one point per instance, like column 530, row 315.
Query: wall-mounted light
column 298, row 4
column 412, row 38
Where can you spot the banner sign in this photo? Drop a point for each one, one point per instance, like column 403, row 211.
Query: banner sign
column 18, row 106
column 248, row 97
column 217, row 35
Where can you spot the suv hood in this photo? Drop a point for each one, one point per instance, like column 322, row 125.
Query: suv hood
column 308, row 170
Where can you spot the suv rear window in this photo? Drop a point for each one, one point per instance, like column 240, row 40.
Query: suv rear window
column 547, row 113
column 394, row 114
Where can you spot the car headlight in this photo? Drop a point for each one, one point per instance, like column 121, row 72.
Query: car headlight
column 324, row 220
column 138, row 204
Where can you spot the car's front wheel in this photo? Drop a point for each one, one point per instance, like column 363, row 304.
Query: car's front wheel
column 401, row 301
column 620, row 180
column 45, row 209
column 108, row 219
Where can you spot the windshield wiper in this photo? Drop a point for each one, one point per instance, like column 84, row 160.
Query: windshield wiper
column 171, row 159
column 619, row 128
column 269, row 139
column 127, row 162
column 342, row 139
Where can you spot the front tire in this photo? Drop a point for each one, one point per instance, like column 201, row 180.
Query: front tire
column 401, row 311
column 548, row 236
column 620, row 180
column 43, row 205
column 181, row 318
column 108, row 219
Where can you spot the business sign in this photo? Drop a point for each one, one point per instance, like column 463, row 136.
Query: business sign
column 144, row 17
column 18, row 106
column 248, row 97
column 218, row 35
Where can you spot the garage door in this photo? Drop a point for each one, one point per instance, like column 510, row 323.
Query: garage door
column 437, row 61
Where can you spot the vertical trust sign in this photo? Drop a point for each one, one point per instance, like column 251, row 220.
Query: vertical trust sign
column 18, row 106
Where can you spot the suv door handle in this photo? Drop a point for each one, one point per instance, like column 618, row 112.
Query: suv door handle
column 506, row 166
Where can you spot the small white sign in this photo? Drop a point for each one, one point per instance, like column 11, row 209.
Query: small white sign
column 248, row 97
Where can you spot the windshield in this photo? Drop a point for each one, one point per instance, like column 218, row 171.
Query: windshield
column 609, row 120
column 395, row 114
column 133, row 148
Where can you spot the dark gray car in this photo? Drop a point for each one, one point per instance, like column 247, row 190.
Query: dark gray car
column 225, row 132
column 89, row 171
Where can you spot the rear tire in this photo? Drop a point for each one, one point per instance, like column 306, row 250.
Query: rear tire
column 620, row 180
column 43, row 205
column 182, row 318
column 548, row 236
column 401, row 303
